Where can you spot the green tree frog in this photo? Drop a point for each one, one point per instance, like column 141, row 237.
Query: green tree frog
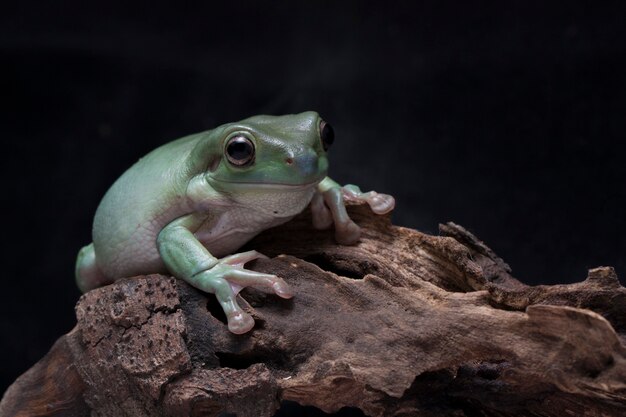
column 187, row 206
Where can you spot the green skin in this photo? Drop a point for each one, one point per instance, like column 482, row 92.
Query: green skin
column 185, row 208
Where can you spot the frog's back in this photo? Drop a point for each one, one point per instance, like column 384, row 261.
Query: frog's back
column 147, row 196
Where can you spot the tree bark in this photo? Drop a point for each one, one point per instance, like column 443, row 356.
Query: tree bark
column 401, row 324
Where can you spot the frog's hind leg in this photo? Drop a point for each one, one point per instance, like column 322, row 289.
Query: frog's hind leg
column 88, row 274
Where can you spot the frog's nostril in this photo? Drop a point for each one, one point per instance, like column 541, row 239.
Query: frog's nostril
column 302, row 164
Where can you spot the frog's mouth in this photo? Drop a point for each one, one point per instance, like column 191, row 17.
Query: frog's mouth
column 266, row 185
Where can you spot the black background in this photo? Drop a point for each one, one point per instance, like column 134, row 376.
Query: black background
column 505, row 117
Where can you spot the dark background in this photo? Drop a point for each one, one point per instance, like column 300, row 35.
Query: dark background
column 505, row 117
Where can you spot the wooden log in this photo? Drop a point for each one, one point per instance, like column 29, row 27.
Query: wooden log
column 401, row 324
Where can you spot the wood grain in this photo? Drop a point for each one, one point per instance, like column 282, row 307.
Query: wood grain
column 402, row 324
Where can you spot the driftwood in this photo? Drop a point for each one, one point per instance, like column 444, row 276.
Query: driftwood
column 402, row 324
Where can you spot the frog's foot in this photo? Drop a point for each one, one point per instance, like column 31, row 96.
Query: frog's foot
column 241, row 278
column 332, row 206
column 329, row 206
column 228, row 277
column 88, row 274
column 379, row 203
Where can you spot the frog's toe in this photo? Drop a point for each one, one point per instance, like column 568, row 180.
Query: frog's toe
column 282, row 289
column 240, row 259
column 241, row 278
column 348, row 233
column 240, row 322
column 380, row 203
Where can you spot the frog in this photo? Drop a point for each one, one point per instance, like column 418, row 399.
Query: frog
column 186, row 207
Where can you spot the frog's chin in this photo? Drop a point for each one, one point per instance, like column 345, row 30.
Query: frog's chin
column 269, row 200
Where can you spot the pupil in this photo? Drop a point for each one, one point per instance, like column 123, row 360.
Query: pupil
column 239, row 149
column 328, row 136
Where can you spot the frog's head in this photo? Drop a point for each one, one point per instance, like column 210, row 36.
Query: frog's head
column 276, row 155
column 272, row 151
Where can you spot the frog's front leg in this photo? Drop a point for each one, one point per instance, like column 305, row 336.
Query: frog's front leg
column 328, row 207
column 188, row 259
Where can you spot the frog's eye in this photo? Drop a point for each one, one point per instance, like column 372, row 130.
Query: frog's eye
column 240, row 150
column 327, row 135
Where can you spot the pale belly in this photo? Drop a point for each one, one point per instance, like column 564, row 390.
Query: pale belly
column 123, row 253
column 228, row 245
column 221, row 238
